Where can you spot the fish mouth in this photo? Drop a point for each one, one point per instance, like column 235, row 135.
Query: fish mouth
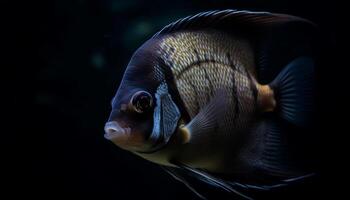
column 126, row 139
column 130, row 140
column 122, row 137
column 114, row 131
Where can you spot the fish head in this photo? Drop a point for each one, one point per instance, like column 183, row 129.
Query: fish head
column 144, row 115
column 130, row 121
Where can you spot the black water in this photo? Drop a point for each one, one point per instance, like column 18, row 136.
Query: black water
column 68, row 58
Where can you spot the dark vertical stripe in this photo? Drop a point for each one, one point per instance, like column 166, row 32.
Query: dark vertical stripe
column 173, row 89
column 234, row 87
column 230, row 61
column 197, row 57
column 196, row 95
column 252, row 86
column 198, row 62
column 211, row 88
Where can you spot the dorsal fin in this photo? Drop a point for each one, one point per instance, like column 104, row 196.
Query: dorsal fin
column 228, row 19
column 277, row 38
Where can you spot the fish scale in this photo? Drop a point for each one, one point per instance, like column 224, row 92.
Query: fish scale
column 204, row 62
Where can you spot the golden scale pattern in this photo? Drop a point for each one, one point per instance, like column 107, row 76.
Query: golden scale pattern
column 201, row 66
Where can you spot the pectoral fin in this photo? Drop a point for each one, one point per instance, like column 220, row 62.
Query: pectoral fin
column 207, row 119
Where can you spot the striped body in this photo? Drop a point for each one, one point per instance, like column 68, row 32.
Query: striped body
column 203, row 63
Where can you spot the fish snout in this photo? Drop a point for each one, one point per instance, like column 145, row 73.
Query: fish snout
column 116, row 133
column 123, row 137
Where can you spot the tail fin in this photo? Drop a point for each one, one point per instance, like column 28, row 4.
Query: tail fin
column 293, row 88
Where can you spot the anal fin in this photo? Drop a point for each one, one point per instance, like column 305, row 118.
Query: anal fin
column 276, row 157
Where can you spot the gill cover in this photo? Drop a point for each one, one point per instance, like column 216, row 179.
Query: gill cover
column 165, row 118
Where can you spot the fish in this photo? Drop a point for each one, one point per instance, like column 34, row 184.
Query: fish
column 221, row 99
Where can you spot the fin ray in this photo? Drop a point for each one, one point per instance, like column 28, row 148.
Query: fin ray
column 293, row 89
column 214, row 181
column 207, row 118
column 177, row 176
column 226, row 19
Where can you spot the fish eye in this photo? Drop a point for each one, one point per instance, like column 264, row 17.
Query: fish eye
column 141, row 101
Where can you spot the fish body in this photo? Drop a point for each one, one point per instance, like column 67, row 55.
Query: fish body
column 208, row 63
column 203, row 98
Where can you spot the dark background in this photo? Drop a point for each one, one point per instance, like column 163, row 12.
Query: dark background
column 68, row 57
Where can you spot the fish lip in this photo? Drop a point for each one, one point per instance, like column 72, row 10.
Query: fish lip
column 119, row 131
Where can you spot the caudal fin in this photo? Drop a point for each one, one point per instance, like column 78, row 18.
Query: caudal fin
column 294, row 88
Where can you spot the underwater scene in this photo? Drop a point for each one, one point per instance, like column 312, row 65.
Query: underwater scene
column 226, row 99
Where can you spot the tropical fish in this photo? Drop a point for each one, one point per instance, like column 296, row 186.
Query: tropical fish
column 221, row 98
